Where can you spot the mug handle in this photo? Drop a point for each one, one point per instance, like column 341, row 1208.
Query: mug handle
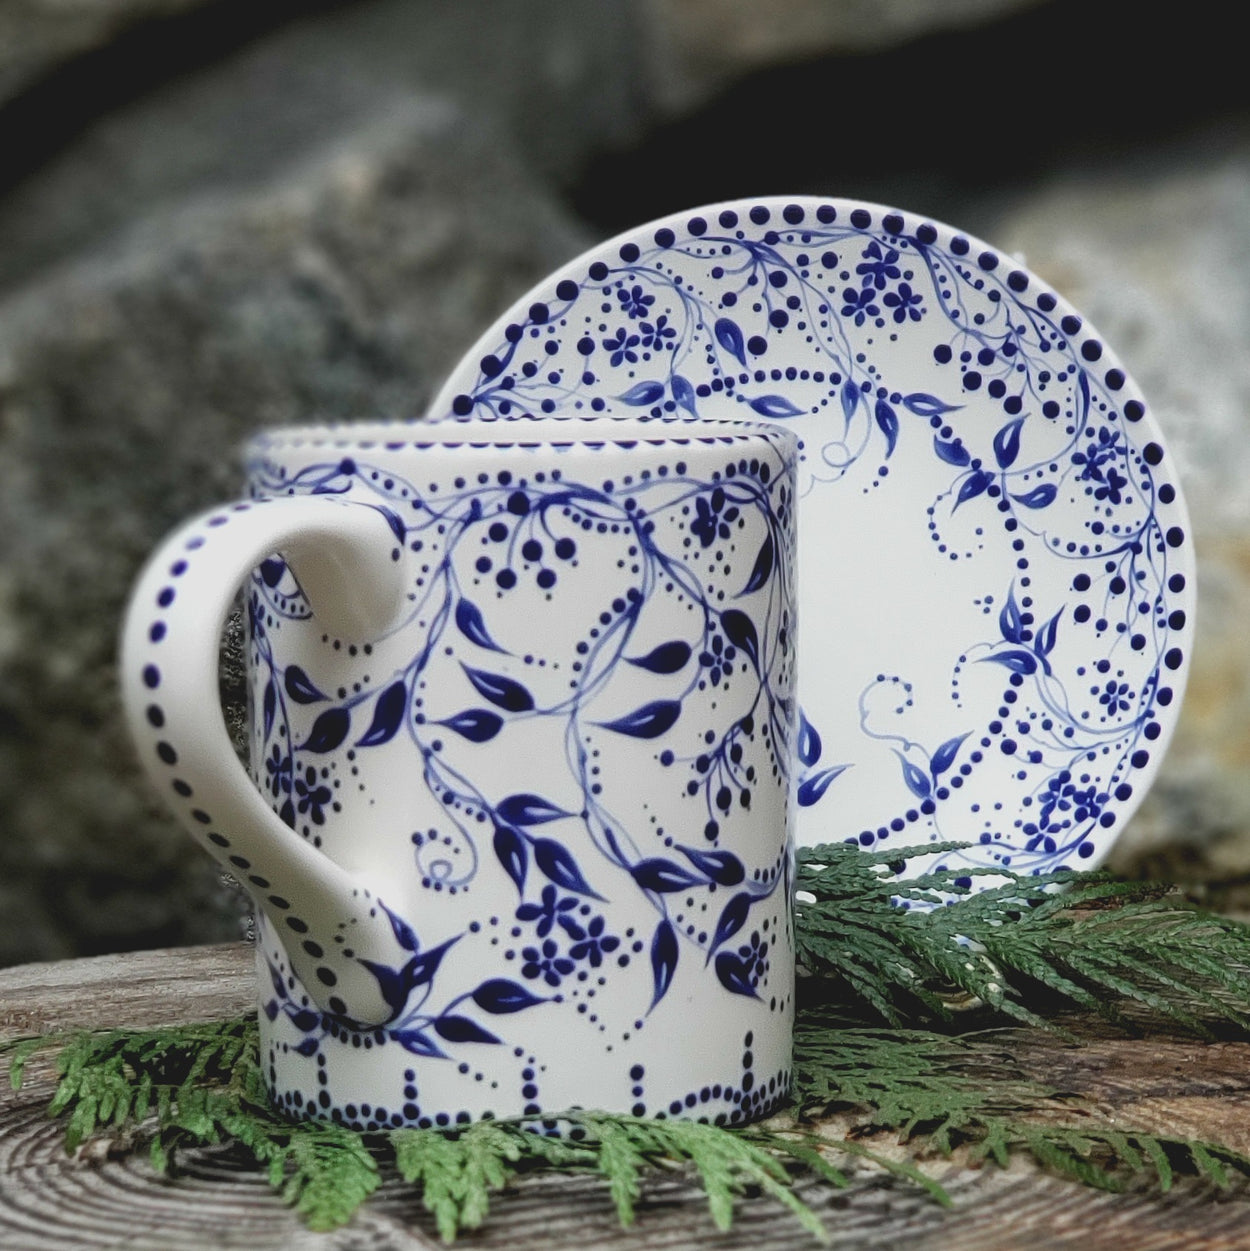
column 345, row 558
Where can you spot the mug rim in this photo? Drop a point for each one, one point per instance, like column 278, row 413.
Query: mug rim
column 523, row 430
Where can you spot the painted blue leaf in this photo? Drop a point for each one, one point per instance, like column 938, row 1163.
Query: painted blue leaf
column 269, row 703
column 924, row 405
column 419, row 1043
column 683, row 393
column 526, row 809
column 850, row 398
column 459, row 1029
column 734, row 974
column 505, row 693
column 1010, row 619
column 394, row 520
column 763, row 568
column 388, row 714
column 740, row 631
column 1047, row 635
column 328, row 731
column 917, row 780
column 1039, row 497
column 730, row 338
column 663, row 959
column 952, row 452
column 732, row 918
column 390, row 985
column 271, row 1009
column 774, row 406
column 308, row 1046
column 643, row 393
column 663, row 876
column 944, row 757
column 721, row 867
column 300, row 687
column 420, row 970
column 556, row 861
column 510, row 849
column 1018, row 662
column 649, row 721
column 809, row 745
column 498, row 995
column 887, row 419
column 271, row 571
column 974, row 484
column 279, row 986
column 1007, row 443
column 811, row 789
column 405, row 936
column 478, row 725
column 470, row 623
column 305, row 1019
column 666, row 658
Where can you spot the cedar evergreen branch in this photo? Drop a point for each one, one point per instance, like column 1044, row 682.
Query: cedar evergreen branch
column 1017, row 949
column 1084, row 940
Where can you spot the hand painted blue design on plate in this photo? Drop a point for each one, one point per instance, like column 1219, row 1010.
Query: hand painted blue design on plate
column 996, row 578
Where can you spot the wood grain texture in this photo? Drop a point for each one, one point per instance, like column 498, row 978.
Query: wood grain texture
column 108, row 1197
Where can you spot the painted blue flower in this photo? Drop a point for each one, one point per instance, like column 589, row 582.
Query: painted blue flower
column 905, row 302
column 1064, row 796
column 878, row 267
column 754, row 955
column 1114, row 697
column 859, row 304
column 312, row 797
column 551, row 910
column 1096, row 454
column 710, row 521
column 635, row 301
column 279, row 768
column 1089, row 803
column 621, row 346
column 1112, row 488
column 547, row 963
column 1058, row 796
column 595, row 945
column 653, row 336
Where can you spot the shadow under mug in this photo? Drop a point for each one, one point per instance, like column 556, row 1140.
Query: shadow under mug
column 518, row 826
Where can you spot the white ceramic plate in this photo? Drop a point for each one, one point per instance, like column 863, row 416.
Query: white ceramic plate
column 995, row 574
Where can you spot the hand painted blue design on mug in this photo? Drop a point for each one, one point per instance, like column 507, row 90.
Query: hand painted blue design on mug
column 518, row 826
column 990, row 519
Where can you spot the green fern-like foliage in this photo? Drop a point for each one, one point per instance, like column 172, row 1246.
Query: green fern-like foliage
column 939, row 1092
column 1085, row 940
column 202, row 1084
column 198, row 1084
column 1019, row 950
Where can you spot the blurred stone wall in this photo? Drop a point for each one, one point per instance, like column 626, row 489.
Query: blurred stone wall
column 216, row 215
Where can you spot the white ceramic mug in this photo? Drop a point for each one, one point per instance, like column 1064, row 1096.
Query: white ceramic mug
column 518, row 830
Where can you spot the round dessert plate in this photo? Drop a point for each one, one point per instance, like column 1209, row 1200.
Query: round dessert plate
column 995, row 574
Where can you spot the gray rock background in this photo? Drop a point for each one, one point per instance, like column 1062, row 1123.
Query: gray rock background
column 216, row 215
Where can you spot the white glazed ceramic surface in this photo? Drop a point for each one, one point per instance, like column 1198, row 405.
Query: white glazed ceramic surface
column 996, row 582
column 521, row 731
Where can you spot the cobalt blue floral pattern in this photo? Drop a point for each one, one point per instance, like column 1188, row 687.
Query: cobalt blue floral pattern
column 996, row 580
column 664, row 715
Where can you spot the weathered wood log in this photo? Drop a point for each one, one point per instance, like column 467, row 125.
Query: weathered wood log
column 106, row 1196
